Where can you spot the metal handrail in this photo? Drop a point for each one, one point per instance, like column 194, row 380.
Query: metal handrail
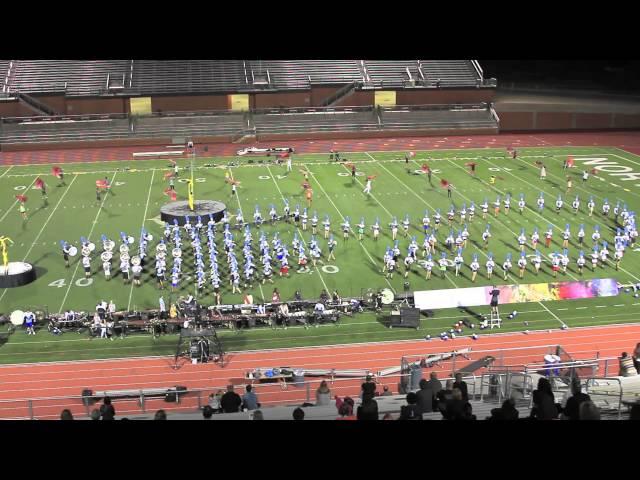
column 478, row 69
column 592, row 381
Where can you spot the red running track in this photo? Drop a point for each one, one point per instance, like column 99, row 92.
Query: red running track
column 627, row 140
column 70, row 378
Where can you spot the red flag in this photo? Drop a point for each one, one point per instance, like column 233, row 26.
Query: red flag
column 470, row 164
column 21, row 198
column 425, row 167
column 444, row 183
column 173, row 162
column 570, row 162
column 102, row 184
column 284, row 155
column 168, row 175
column 371, row 177
column 348, row 165
column 594, row 171
column 56, row 171
column 171, row 194
column 538, row 163
column 39, row 184
column 412, row 154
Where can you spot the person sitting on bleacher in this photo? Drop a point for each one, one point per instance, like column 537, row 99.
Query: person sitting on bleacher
column 508, row 411
column 636, row 357
column 411, row 411
column 627, row 368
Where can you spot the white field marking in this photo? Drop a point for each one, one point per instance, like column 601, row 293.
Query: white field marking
column 343, row 219
column 550, row 222
column 144, row 216
column 16, row 202
column 259, row 283
column 623, row 158
column 581, row 308
column 561, row 309
column 552, row 314
column 601, row 306
column 95, row 222
column 297, row 228
column 43, row 227
column 619, row 305
column 7, row 171
column 541, row 140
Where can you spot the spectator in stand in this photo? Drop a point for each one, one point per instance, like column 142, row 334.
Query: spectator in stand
column 250, row 399
column 66, row 414
column 636, row 357
column 257, row 415
column 462, row 386
column 387, row 416
column 230, row 401
column 107, row 412
column 411, row 411
column 589, row 411
column 635, row 412
column 368, row 409
column 424, row 397
column 342, row 401
column 627, row 368
column 455, row 407
column 214, row 401
column 544, row 407
column 444, row 396
column 386, row 392
column 323, row 394
column 160, row 415
column 95, row 414
column 572, row 409
column 298, row 414
column 346, row 412
column 508, row 411
column 207, row 412
column 369, row 386
column 436, row 385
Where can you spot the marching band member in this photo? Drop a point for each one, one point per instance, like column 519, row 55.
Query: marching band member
column 136, row 269
column 522, row 264
column 537, row 262
column 490, row 266
column 566, row 235
column 391, row 265
column 459, row 239
column 394, row 228
column 618, row 255
column 472, row 212
column 555, row 263
column 426, row 221
column 287, row 210
column 606, row 208
column 304, row 217
column 314, row 222
column 408, row 261
column 296, row 214
column 86, row 263
column 66, row 248
column 507, row 204
column 475, row 266
column 361, row 227
column 327, row 226
column 486, row 235
column 458, row 261
column 465, row 236
column 506, row 266
column 428, row 265
column 540, row 202
column 604, row 253
column 564, row 260
column 449, row 240
column 405, row 225
column 521, row 203
column 522, row 240
column 548, row 236
column 385, row 258
column 595, row 236
column 124, row 268
column 106, row 267
column 463, row 213
column 426, row 246
column 576, row 205
column 594, row 258
column 376, row 229
column 591, row 205
column 451, row 214
column 443, row 264
column 485, row 208
column 496, row 206
column 581, row 234
column 581, row 261
column 559, row 204
column 436, row 220
column 535, row 238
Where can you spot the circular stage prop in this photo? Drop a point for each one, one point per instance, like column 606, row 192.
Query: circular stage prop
column 16, row 274
column 179, row 210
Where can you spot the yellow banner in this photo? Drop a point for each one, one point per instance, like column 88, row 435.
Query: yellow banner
column 239, row 102
column 385, row 98
column 140, row 105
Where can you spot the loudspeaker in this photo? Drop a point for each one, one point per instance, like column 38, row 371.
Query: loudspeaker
column 409, row 318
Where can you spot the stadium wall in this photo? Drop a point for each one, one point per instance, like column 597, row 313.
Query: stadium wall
column 546, row 121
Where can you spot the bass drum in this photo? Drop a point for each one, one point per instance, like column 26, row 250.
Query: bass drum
column 17, row 318
column 73, row 251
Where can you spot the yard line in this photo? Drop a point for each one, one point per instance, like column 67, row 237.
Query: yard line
column 144, row 216
column 43, row 227
column 343, row 219
column 299, row 231
column 259, row 283
column 550, row 222
column 7, row 171
column 16, row 202
column 95, row 222
column 553, row 314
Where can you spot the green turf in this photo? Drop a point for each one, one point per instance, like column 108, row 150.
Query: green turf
column 72, row 210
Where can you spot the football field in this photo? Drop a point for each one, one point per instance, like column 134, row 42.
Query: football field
column 398, row 189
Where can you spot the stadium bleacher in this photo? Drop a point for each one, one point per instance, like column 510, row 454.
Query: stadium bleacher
column 190, row 126
column 399, row 119
column 44, row 132
column 392, row 74
column 188, row 76
column 451, row 73
column 301, row 74
column 81, row 77
column 325, row 121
